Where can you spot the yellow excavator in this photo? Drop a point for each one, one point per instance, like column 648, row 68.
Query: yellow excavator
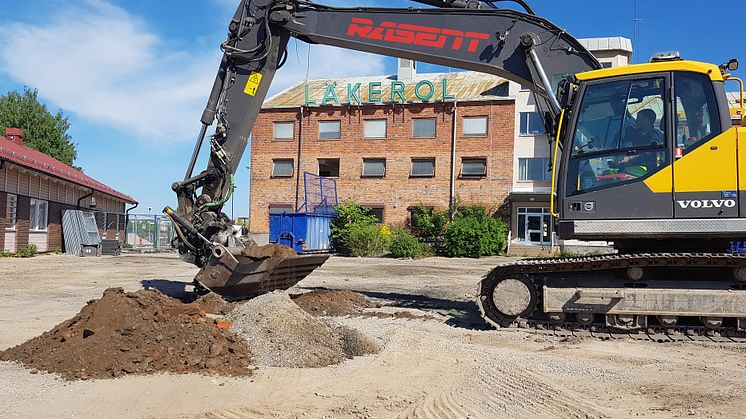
column 647, row 156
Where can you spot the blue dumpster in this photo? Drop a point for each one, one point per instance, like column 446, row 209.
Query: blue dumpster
column 304, row 232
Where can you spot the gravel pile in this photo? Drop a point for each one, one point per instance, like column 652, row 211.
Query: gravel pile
column 281, row 334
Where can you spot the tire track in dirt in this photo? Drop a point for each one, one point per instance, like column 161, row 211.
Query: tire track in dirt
column 503, row 390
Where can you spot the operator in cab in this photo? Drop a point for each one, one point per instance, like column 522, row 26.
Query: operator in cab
column 645, row 133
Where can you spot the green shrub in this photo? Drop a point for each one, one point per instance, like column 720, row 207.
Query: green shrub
column 473, row 233
column 366, row 240
column 350, row 215
column 127, row 246
column 27, row 251
column 405, row 245
column 429, row 223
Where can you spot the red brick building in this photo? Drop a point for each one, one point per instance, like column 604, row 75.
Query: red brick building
column 35, row 189
column 391, row 142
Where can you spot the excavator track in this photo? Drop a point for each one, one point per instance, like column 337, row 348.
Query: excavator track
column 513, row 296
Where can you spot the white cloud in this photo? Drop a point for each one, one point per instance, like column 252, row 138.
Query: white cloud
column 106, row 65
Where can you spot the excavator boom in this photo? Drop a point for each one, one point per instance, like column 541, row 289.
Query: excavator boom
column 471, row 35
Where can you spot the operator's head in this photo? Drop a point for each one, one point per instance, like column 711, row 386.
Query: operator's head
column 646, row 120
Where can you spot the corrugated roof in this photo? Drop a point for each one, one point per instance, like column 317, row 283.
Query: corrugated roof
column 36, row 160
column 464, row 85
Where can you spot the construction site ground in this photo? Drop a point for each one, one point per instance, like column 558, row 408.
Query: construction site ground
column 436, row 359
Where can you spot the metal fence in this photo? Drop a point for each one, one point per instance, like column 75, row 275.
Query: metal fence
column 320, row 194
column 149, row 232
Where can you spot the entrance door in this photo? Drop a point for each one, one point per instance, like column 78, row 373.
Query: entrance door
column 535, row 226
column 705, row 170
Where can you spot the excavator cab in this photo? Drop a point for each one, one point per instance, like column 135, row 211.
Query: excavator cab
column 649, row 148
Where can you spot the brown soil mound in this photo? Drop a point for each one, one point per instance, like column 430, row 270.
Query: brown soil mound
column 268, row 251
column 333, row 303
column 134, row 333
column 281, row 334
column 213, row 304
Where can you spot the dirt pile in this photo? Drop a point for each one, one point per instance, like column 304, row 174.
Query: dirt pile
column 213, row 304
column 135, row 333
column 280, row 334
column 333, row 303
column 272, row 250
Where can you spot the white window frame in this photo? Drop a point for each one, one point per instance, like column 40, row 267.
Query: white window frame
column 473, row 159
column 38, row 215
column 11, row 209
column 338, row 123
column 435, row 127
column 474, row 118
column 521, row 170
column 289, row 208
column 292, row 168
column 274, row 131
column 325, row 159
column 527, row 117
column 375, row 137
column 417, row 159
column 371, row 160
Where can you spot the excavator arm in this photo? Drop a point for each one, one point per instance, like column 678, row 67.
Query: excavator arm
column 472, row 35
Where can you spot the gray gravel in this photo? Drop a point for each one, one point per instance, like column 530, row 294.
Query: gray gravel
column 281, row 334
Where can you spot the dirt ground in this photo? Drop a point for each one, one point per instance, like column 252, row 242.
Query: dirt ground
column 437, row 362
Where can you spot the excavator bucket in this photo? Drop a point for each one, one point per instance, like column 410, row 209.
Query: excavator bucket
column 234, row 275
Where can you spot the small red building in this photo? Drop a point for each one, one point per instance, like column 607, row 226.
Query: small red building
column 35, row 189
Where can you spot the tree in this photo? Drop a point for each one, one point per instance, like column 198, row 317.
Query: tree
column 43, row 131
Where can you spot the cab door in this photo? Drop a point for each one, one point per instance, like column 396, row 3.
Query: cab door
column 705, row 168
column 613, row 153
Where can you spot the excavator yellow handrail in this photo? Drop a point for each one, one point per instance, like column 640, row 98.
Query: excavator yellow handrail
column 553, row 191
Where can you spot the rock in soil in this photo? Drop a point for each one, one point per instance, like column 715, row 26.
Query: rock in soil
column 280, row 334
column 333, row 302
column 139, row 332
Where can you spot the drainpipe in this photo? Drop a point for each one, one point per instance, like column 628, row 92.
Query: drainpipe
column 82, row 198
column 297, row 171
column 452, row 197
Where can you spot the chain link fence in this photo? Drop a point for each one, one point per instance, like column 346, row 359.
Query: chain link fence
column 146, row 232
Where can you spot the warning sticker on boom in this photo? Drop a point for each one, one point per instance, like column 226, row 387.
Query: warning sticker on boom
column 253, row 83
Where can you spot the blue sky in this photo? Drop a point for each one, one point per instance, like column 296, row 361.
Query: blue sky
column 134, row 75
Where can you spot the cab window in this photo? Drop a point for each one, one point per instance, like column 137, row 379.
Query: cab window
column 619, row 135
column 697, row 118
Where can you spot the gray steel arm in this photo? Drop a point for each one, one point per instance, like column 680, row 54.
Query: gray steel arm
column 487, row 40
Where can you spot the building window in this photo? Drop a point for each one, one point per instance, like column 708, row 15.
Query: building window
column 38, row 215
column 374, row 167
column 606, row 65
column 282, row 168
column 532, row 123
column 533, row 169
column 474, row 167
column 423, row 128
column 375, row 128
column 475, row 126
column 377, row 211
column 275, row 209
column 284, row 131
column 423, row 167
column 329, row 167
column 12, row 211
column 329, row 130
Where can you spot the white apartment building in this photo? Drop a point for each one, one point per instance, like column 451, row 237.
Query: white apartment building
column 531, row 220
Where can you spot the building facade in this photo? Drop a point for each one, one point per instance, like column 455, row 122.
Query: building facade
column 392, row 143
column 35, row 190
